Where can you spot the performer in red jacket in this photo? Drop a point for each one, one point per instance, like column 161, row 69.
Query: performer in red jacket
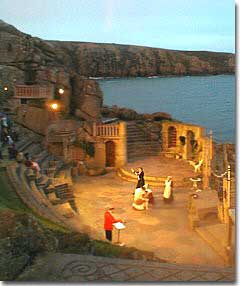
column 108, row 222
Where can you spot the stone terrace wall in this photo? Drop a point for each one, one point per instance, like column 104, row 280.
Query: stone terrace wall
column 36, row 119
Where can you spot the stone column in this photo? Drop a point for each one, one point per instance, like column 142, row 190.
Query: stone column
column 66, row 156
column 205, row 164
column 164, row 138
column 211, row 144
column 121, row 146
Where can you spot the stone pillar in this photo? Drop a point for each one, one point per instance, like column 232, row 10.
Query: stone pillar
column 121, row 146
column 94, row 129
column 66, row 156
column 184, row 153
column 206, row 165
column 227, row 195
column 211, row 144
column 100, row 154
column 164, row 138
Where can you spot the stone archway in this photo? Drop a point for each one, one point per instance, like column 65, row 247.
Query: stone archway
column 110, row 154
column 172, row 137
column 190, row 142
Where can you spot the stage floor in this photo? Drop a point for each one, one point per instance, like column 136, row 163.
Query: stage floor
column 163, row 229
column 160, row 166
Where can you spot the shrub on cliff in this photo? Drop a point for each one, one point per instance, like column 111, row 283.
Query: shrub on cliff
column 22, row 238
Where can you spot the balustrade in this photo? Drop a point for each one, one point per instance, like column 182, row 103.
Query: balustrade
column 108, row 130
column 33, row 91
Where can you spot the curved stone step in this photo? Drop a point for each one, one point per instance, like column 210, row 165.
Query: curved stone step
column 152, row 180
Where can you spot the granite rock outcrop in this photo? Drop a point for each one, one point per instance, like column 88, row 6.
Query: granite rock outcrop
column 69, row 65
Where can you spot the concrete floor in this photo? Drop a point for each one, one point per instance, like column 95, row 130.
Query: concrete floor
column 163, row 229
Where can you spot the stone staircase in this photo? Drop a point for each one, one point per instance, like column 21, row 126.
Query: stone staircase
column 140, row 142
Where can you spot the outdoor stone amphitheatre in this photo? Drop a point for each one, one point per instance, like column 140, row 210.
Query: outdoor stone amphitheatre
column 86, row 151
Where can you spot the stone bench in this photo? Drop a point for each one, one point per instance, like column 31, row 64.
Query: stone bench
column 43, row 181
column 204, row 204
column 63, row 191
column 50, row 172
column 49, row 189
column 30, row 174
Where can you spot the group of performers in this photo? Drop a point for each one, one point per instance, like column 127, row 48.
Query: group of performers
column 143, row 195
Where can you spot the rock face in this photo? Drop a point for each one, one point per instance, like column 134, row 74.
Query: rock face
column 128, row 114
column 111, row 60
column 86, row 98
column 24, row 58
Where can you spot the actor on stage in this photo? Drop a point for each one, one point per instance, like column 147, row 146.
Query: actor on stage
column 140, row 175
column 168, row 192
column 140, row 202
column 108, row 222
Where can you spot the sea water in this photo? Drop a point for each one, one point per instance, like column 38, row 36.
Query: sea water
column 208, row 101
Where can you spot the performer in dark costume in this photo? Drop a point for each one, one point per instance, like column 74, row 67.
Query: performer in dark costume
column 140, row 175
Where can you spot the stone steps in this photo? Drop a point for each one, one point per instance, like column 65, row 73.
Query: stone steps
column 34, row 149
column 139, row 143
column 155, row 181
column 30, row 196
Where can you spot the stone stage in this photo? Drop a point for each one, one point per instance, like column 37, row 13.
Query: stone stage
column 157, row 168
column 163, row 229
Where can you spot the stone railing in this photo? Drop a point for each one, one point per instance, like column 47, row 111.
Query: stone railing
column 106, row 130
column 33, row 91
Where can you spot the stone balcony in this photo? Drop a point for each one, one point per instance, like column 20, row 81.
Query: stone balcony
column 33, row 92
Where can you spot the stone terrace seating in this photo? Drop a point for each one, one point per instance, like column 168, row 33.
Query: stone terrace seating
column 48, row 196
column 64, row 191
column 31, row 197
column 37, row 199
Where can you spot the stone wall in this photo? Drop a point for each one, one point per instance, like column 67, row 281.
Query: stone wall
column 181, row 131
column 36, row 119
column 22, row 56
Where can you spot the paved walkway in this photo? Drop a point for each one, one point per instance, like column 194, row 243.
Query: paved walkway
column 163, row 229
column 77, row 268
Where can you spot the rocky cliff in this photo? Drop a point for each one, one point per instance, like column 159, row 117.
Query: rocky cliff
column 112, row 60
column 24, row 58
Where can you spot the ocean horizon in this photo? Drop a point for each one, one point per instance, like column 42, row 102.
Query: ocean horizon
column 207, row 100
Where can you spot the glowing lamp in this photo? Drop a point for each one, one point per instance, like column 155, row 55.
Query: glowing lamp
column 5, row 88
column 61, row 91
column 54, row 106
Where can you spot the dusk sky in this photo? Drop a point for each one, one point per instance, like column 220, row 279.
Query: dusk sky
column 171, row 24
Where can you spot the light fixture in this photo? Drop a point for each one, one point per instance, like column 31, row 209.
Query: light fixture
column 5, row 88
column 61, row 91
column 54, row 106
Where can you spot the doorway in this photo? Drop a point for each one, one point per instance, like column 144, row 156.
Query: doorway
column 190, row 143
column 172, row 137
column 110, row 154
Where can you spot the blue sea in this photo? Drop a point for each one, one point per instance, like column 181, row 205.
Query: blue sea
column 208, row 101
